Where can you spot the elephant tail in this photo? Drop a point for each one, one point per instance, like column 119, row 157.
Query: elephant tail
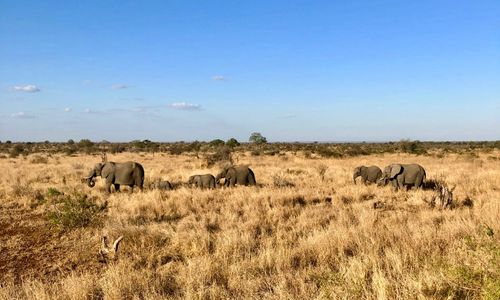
column 251, row 178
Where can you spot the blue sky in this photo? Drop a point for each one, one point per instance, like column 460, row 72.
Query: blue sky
column 292, row 70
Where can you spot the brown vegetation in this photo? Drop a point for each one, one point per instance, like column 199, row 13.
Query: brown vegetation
column 305, row 232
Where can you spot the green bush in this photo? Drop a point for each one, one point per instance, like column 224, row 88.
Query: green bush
column 74, row 211
column 217, row 143
column 222, row 154
column 232, row 142
column 16, row 151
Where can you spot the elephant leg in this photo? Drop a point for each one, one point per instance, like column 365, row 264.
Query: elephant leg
column 232, row 181
column 401, row 183
column 107, row 187
column 109, row 181
column 363, row 180
column 395, row 184
column 117, row 187
column 418, row 182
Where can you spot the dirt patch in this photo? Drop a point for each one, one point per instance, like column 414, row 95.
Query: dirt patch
column 31, row 248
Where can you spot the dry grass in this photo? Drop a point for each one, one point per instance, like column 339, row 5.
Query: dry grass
column 306, row 232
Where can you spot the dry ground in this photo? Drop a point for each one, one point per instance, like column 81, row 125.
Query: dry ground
column 322, row 238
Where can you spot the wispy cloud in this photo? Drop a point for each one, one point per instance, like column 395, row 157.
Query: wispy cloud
column 288, row 116
column 67, row 109
column 87, row 82
column 120, row 86
column 29, row 88
column 22, row 115
column 93, row 112
column 185, row 106
column 219, row 78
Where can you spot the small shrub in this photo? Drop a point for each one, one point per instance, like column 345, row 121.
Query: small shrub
column 412, row 147
column 16, row 151
column 255, row 152
column 328, row 153
column 37, row 159
column 223, row 154
column 76, row 210
column 53, row 192
column 280, row 181
column 321, row 171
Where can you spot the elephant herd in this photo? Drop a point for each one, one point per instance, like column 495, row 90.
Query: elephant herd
column 399, row 175
column 132, row 174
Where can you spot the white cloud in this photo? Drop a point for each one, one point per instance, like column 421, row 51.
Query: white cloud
column 185, row 106
column 120, row 86
column 289, row 116
column 67, row 109
column 22, row 115
column 218, row 78
column 94, row 112
column 29, row 88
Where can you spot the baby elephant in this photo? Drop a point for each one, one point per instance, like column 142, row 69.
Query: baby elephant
column 205, row 181
column 162, row 185
column 369, row 174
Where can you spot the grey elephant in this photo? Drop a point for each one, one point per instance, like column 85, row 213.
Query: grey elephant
column 403, row 175
column 128, row 173
column 370, row 174
column 236, row 175
column 162, row 185
column 205, row 181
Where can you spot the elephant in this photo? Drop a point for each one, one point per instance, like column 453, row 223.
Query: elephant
column 205, row 181
column 162, row 185
column 370, row 174
column 128, row 173
column 403, row 175
column 240, row 175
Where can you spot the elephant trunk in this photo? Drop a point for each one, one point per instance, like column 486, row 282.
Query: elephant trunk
column 90, row 179
column 90, row 182
column 354, row 178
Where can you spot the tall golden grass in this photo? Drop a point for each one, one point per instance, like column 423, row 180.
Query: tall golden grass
column 317, row 236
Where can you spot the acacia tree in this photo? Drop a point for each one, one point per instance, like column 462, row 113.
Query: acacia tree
column 257, row 138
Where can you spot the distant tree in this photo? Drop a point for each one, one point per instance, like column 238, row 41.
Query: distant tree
column 257, row 138
column 46, row 142
column 232, row 142
column 8, row 142
column 86, row 143
column 71, row 142
column 217, row 143
column 139, row 145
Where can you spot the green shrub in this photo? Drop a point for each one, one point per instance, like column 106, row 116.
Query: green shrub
column 328, row 153
column 232, row 142
column 74, row 211
column 217, row 143
column 221, row 154
column 16, row 151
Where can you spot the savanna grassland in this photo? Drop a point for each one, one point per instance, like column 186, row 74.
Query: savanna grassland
column 306, row 232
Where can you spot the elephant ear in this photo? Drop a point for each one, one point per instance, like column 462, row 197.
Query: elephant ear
column 395, row 170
